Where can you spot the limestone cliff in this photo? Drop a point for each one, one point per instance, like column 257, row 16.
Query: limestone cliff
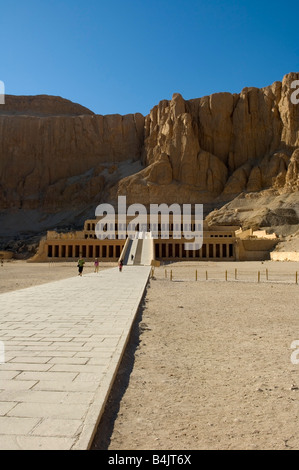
column 213, row 148
column 57, row 157
column 53, row 153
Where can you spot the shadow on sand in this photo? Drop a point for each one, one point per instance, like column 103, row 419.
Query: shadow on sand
column 105, row 428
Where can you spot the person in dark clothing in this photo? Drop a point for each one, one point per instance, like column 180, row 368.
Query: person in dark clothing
column 80, row 265
column 120, row 266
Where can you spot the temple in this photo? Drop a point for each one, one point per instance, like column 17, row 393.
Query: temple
column 219, row 243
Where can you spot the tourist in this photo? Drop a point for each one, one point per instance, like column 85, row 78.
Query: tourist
column 96, row 265
column 121, row 263
column 80, row 265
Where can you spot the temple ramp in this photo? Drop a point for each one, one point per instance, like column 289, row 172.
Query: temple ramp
column 139, row 251
column 145, row 249
column 131, row 252
column 147, row 252
column 137, row 259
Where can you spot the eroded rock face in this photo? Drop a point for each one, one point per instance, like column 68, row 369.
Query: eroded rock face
column 56, row 155
column 52, row 151
column 215, row 147
column 292, row 174
column 41, row 105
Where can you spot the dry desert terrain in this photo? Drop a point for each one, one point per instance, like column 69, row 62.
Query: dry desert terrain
column 209, row 363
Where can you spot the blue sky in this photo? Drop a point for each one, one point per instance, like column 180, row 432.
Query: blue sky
column 124, row 56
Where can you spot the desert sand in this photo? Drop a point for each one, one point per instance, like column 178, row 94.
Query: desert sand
column 208, row 365
column 17, row 274
column 210, row 362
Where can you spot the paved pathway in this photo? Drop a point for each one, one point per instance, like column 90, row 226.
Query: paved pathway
column 63, row 343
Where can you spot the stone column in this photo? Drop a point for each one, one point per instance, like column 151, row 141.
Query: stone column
column 160, row 250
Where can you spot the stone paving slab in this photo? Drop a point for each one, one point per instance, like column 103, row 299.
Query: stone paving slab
column 63, row 343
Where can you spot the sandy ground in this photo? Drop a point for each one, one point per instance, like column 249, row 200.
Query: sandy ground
column 209, row 363
column 17, row 274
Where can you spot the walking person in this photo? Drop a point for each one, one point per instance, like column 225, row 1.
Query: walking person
column 120, row 266
column 96, row 265
column 80, row 265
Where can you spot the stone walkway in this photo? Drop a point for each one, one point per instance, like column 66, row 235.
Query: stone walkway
column 63, row 343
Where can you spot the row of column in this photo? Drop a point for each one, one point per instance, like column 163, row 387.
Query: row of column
column 162, row 250
column 208, row 251
column 86, row 251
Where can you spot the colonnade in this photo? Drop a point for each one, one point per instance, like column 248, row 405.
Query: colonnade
column 111, row 250
column 76, row 250
column 221, row 250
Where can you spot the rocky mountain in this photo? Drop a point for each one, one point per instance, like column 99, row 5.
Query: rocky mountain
column 58, row 160
column 213, row 148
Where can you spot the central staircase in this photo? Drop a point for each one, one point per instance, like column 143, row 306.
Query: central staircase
column 139, row 251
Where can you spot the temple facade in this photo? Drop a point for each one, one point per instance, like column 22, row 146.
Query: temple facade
column 219, row 243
